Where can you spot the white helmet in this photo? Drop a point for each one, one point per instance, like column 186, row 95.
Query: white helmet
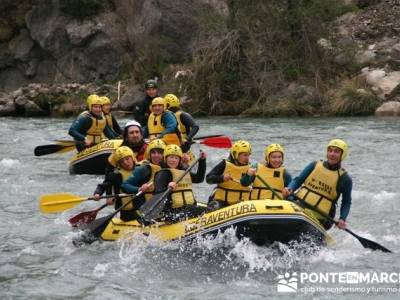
column 133, row 123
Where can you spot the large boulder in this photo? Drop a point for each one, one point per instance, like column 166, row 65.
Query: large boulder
column 132, row 96
column 391, row 108
column 78, row 32
column 385, row 84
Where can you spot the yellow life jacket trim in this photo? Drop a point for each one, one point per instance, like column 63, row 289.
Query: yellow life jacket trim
column 274, row 177
column 232, row 192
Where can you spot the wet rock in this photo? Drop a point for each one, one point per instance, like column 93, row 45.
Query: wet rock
column 391, row 108
column 21, row 101
column 7, row 109
column 32, row 109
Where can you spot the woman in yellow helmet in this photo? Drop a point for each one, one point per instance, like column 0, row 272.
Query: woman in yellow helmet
column 227, row 175
column 90, row 127
column 111, row 120
column 142, row 178
column 181, row 201
column 124, row 161
column 271, row 171
column 162, row 123
column 321, row 183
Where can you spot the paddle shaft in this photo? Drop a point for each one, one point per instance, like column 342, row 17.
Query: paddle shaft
column 270, row 188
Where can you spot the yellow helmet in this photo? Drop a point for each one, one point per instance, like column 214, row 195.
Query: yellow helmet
column 155, row 144
column 172, row 101
column 240, row 146
column 273, row 148
column 341, row 145
column 93, row 99
column 121, row 153
column 173, row 150
column 105, row 100
column 158, row 101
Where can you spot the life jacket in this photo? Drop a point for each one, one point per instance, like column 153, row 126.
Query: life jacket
column 95, row 132
column 125, row 175
column 181, row 126
column 153, row 170
column 155, row 127
column 273, row 176
column 182, row 194
column 232, row 192
column 320, row 189
column 109, row 120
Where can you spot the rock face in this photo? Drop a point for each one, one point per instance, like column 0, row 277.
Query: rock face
column 51, row 46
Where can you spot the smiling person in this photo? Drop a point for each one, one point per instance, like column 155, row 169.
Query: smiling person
column 162, row 123
column 272, row 172
column 124, row 161
column 91, row 126
column 227, row 175
column 181, row 201
column 321, row 183
column 142, row 179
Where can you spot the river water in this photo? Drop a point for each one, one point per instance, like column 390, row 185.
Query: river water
column 38, row 260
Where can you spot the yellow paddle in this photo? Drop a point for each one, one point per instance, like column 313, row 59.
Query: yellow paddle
column 54, row 203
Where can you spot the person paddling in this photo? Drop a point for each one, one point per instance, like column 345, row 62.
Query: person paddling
column 162, row 123
column 187, row 125
column 124, row 162
column 321, row 183
column 181, row 201
column 133, row 138
column 227, row 175
column 271, row 171
column 111, row 120
column 90, row 127
column 142, row 177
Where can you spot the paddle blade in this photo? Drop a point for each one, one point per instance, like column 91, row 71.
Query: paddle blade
column 85, row 217
column 368, row 243
column 217, row 142
column 152, row 208
column 50, row 149
column 54, row 203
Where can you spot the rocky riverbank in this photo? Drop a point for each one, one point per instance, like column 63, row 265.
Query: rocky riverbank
column 219, row 57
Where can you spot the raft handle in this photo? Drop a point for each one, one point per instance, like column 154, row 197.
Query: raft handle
column 273, row 206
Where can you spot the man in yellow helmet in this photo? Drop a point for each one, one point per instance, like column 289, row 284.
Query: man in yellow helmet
column 187, row 125
column 271, row 171
column 142, row 178
column 123, row 161
column 90, row 127
column 321, row 183
column 111, row 120
column 162, row 123
column 142, row 109
column 227, row 175
column 181, row 201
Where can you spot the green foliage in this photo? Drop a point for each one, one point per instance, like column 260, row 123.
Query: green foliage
column 353, row 99
column 81, row 8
